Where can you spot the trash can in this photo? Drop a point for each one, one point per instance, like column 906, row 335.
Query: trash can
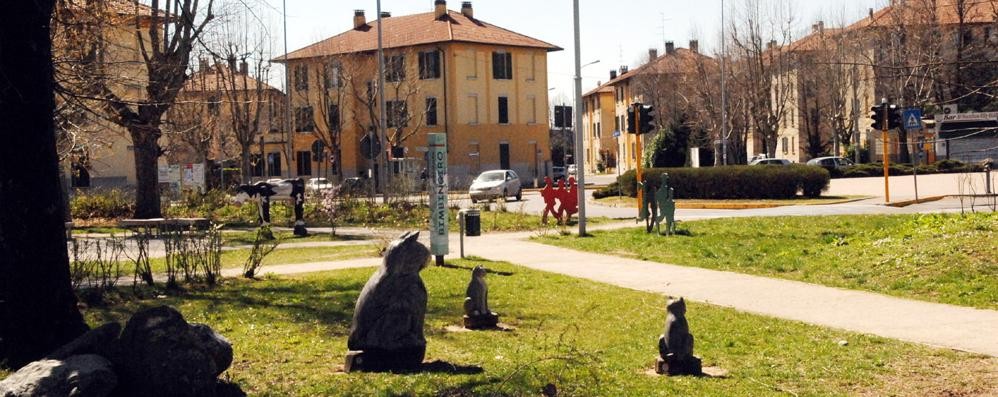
column 472, row 223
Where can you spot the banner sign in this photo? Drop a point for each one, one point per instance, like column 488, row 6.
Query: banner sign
column 438, row 194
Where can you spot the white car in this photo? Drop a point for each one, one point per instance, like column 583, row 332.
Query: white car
column 496, row 184
column 318, row 184
column 770, row 162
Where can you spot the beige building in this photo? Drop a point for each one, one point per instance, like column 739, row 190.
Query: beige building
column 446, row 71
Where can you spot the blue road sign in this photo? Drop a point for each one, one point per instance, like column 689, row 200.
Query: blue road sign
column 616, row 134
column 912, row 119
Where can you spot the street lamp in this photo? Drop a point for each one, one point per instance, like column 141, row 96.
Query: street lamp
column 579, row 149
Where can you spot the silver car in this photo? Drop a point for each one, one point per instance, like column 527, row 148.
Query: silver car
column 496, row 184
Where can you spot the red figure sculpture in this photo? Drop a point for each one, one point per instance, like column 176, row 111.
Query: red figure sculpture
column 569, row 200
column 549, row 195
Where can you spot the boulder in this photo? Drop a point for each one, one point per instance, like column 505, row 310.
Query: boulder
column 160, row 354
column 96, row 341
column 219, row 348
column 87, row 375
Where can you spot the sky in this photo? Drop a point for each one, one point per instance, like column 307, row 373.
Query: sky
column 615, row 33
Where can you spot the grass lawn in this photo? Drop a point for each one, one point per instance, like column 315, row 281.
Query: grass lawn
column 615, row 201
column 246, row 237
column 589, row 339
column 237, row 258
column 941, row 258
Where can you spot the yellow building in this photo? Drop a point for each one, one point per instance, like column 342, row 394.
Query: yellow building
column 445, row 71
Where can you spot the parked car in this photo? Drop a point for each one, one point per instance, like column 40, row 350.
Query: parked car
column 495, row 184
column 318, row 184
column 831, row 162
column 572, row 169
column 557, row 173
column 770, row 162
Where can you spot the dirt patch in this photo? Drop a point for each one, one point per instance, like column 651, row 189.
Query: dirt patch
column 938, row 376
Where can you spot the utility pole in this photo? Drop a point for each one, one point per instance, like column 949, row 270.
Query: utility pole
column 724, row 94
column 289, row 138
column 579, row 147
column 383, row 178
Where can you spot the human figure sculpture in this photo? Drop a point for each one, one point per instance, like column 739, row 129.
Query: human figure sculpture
column 264, row 192
column 387, row 329
column 549, row 195
column 476, row 303
column 665, row 199
column 569, row 201
column 649, row 206
column 675, row 345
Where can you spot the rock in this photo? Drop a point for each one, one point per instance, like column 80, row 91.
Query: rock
column 87, row 375
column 387, row 328
column 160, row 354
column 95, row 341
column 219, row 348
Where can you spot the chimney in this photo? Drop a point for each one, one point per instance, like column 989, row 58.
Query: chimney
column 623, row 69
column 871, row 14
column 243, row 67
column 386, row 14
column 358, row 19
column 695, row 46
column 467, row 10
column 670, row 48
column 818, row 27
column 439, row 8
column 202, row 65
column 652, row 54
column 771, row 45
column 613, row 74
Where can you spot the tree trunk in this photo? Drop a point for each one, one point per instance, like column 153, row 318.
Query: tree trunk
column 244, row 163
column 37, row 306
column 145, row 140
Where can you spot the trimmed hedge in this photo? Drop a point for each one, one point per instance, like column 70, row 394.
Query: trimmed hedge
column 732, row 182
column 895, row 169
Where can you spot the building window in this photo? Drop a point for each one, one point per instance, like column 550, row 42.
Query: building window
column 301, row 77
column 331, row 76
column 503, row 110
column 472, row 64
column 333, row 118
column 598, row 133
column 395, row 68
column 304, row 162
column 431, row 111
column 786, row 145
column 304, row 119
column 502, row 66
column 274, row 164
column 616, row 124
column 214, row 106
column 532, row 68
column 429, row 65
column 396, row 114
column 473, row 112
column 532, row 103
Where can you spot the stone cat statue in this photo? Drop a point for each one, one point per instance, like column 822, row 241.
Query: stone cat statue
column 476, row 303
column 675, row 345
column 387, row 328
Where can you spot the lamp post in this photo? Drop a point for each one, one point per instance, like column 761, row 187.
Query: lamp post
column 724, row 94
column 579, row 148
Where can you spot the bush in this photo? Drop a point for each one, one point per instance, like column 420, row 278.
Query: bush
column 898, row 169
column 735, row 182
column 103, row 204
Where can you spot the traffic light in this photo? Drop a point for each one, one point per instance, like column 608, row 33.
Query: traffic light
column 877, row 117
column 631, row 120
column 647, row 119
column 893, row 117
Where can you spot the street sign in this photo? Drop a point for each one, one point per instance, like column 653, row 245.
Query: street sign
column 439, row 214
column 912, row 119
column 616, row 134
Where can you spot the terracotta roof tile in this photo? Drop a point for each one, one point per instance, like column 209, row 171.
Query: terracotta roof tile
column 914, row 11
column 417, row 29
column 681, row 61
column 212, row 80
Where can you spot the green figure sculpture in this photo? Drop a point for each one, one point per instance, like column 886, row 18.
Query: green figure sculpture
column 649, row 205
column 666, row 203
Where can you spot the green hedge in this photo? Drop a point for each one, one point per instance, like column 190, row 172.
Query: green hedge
column 896, row 169
column 733, row 182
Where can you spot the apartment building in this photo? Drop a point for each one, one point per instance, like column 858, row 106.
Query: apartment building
column 445, row 71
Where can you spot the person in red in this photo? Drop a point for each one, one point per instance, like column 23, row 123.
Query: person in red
column 549, row 195
column 569, row 199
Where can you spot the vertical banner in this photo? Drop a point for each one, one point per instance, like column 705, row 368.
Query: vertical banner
column 438, row 194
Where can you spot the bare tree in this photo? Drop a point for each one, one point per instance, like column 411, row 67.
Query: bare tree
column 165, row 33
column 758, row 37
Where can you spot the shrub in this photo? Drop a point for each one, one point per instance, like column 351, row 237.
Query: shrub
column 105, row 204
column 735, row 182
column 898, row 169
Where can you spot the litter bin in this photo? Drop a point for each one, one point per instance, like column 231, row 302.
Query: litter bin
column 472, row 223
